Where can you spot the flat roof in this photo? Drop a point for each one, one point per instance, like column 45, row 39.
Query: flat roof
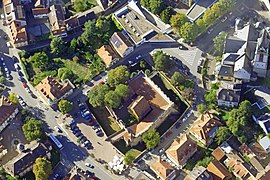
column 199, row 8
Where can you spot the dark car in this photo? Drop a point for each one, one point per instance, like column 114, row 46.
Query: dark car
column 178, row 125
column 78, row 134
column 90, row 173
column 93, row 122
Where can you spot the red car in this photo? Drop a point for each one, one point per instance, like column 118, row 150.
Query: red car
column 100, row 83
column 24, row 84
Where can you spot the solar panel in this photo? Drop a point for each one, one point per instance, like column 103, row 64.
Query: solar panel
column 116, row 41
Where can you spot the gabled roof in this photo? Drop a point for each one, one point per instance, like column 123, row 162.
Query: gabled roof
column 181, row 148
column 205, row 126
column 233, row 44
column 229, row 95
column 247, row 33
column 162, row 168
column 107, row 54
column 120, row 42
column 218, row 153
column 6, row 109
column 218, row 171
column 227, row 58
column 18, row 32
column 57, row 19
column 140, row 107
column 25, row 160
column 52, row 89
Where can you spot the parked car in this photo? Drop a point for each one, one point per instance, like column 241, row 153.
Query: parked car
column 224, row 19
column 77, row 134
column 27, row 90
column 210, row 31
column 93, row 122
column 178, row 124
column 56, row 128
column 21, row 101
column 99, row 132
column 89, row 165
column 72, row 123
column 95, row 127
column 138, row 57
column 16, row 67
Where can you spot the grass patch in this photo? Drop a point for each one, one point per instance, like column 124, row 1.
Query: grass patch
column 80, row 71
column 107, row 122
column 135, row 152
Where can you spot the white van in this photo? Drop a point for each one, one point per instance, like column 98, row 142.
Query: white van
column 8, row 44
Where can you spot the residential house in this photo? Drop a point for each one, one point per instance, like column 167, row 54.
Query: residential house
column 181, row 150
column 121, row 44
column 228, row 97
column 8, row 111
column 199, row 173
column 57, row 20
column 15, row 21
column 40, row 13
column 108, row 56
column 148, row 104
column 51, row 91
column 264, row 122
column 265, row 143
column 24, row 161
column 218, row 171
column 77, row 21
column 163, row 169
column 106, row 4
column 205, row 127
column 262, row 54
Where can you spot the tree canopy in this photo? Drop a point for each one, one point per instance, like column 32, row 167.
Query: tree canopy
column 89, row 35
column 178, row 20
column 188, row 31
column 154, row 6
column 65, row 106
column 97, row 94
column 219, row 43
column 42, row 169
column 57, row 46
column 130, row 156
column 33, row 129
column 201, row 108
column 222, row 134
column 161, row 60
column 166, row 14
column 177, row 79
column 65, row 73
column 119, row 75
column 151, row 138
column 82, row 5
column 112, row 99
column 103, row 24
column 122, row 90
column 40, row 60
column 13, row 98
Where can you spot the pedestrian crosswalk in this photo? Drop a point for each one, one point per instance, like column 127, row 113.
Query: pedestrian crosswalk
column 67, row 163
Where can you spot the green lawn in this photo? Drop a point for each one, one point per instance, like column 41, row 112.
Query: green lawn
column 135, row 152
column 80, row 71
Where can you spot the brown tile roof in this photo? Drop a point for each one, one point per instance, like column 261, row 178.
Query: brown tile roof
column 143, row 86
column 181, row 148
column 140, row 107
column 203, row 126
column 107, row 54
column 218, row 153
column 258, row 150
column 6, row 109
column 162, row 168
column 265, row 176
column 239, row 167
column 51, row 89
column 6, row 2
column 120, row 43
column 218, row 171
column 72, row 22
column 38, row 11
column 18, row 32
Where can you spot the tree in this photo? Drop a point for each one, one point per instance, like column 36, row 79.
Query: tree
column 40, row 60
column 188, row 93
column 219, row 43
column 201, row 25
column 130, row 156
column 122, row 90
column 166, row 14
column 211, row 97
column 119, row 75
column 89, row 35
column 161, row 60
column 57, row 46
column 188, row 31
column 209, row 17
column 65, row 73
column 151, row 138
column 82, row 5
column 13, row 98
column 205, row 161
column 178, row 20
column 204, row 71
column 2, row 79
column 103, row 24
column 112, row 99
column 142, row 64
column 65, row 106
column 222, row 134
column 177, row 79
column 201, row 108
column 42, row 169
column 97, row 94
column 33, row 129
column 156, row 6
column 72, row 47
